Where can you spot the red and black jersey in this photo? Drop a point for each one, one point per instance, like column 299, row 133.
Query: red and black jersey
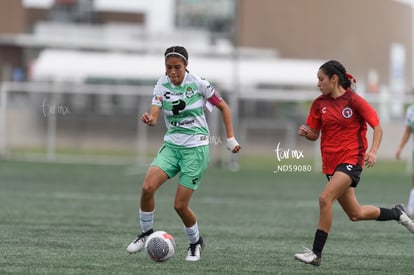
column 343, row 125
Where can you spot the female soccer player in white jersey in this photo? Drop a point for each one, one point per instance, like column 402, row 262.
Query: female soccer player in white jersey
column 409, row 128
column 185, row 151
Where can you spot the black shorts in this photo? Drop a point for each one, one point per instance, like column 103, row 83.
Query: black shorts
column 353, row 171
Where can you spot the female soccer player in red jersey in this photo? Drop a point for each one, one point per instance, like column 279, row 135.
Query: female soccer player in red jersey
column 340, row 116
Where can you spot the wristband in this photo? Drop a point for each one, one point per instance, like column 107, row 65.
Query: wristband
column 231, row 143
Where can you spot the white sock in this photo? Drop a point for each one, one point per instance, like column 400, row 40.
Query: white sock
column 146, row 220
column 410, row 208
column 192, row 233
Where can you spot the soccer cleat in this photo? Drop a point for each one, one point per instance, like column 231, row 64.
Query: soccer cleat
column 410, row 212
column 404, row 219
column 194, row 250
column 308, row 257
column 139, row 243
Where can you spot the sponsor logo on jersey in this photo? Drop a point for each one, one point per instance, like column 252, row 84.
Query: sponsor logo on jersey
column 182, row 123
column 168, row 94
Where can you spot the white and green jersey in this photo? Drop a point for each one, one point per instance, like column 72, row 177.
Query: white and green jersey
column 184, row 109
column 409, row 118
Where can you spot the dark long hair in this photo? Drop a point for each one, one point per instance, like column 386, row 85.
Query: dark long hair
column 177, row 51
column 334, row 67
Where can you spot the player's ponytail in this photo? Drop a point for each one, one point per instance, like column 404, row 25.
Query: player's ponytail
column 333, row 67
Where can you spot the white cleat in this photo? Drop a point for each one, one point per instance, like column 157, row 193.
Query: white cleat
column 139, row 242
column 308, row 257
column 194, row 251
column 410, row 212
column 404, row 219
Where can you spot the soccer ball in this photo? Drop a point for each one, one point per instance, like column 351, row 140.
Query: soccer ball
column 160, row 246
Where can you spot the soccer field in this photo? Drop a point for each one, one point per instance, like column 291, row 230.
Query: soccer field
column 78, row 219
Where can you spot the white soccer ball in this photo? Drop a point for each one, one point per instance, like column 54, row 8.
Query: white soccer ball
column 160, row 246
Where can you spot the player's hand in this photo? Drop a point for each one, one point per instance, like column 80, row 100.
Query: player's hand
column 370, row 159
column 304, row 130
column 398, row 154
column 233, row 145
column 147, row 118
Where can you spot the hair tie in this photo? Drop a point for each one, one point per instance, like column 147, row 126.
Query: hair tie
column 350, row 77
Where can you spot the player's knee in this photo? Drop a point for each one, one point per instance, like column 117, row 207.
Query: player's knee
column 180, row 208
column 354, row 217
column 324, row 201
column 147, row 191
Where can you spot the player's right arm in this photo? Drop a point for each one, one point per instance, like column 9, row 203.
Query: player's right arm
column 308, row 132
column 311, row 129
column 150, row 118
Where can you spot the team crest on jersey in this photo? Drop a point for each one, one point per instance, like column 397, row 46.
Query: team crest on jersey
column 347, row 112
column 189, row 92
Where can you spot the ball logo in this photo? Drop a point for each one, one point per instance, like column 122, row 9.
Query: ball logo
column 168, row 236
column 347, row 112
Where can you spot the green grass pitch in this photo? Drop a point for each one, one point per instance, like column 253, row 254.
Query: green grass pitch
column 78, row 219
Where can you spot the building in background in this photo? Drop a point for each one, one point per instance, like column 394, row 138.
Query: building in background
column 275, row 44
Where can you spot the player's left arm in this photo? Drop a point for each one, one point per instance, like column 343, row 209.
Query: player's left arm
column 232, row 143
column 371, row 156
column 369, row 114
column 215, row 99
column 406, row 135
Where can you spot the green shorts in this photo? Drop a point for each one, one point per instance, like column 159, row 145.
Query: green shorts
column 191, row 163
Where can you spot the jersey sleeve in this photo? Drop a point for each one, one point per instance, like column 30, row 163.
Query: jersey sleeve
column 210, row 93
column 314, row 118
column 409, row 116
column 206, row 88
column 157, row 95
column 367, row 112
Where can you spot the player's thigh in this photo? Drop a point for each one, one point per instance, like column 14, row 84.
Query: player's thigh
column 182, row 196
column 337, row 186
column 167, row 160
column 154, row 178
column 164, row 166
column 349, row 203
column 193, row 165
